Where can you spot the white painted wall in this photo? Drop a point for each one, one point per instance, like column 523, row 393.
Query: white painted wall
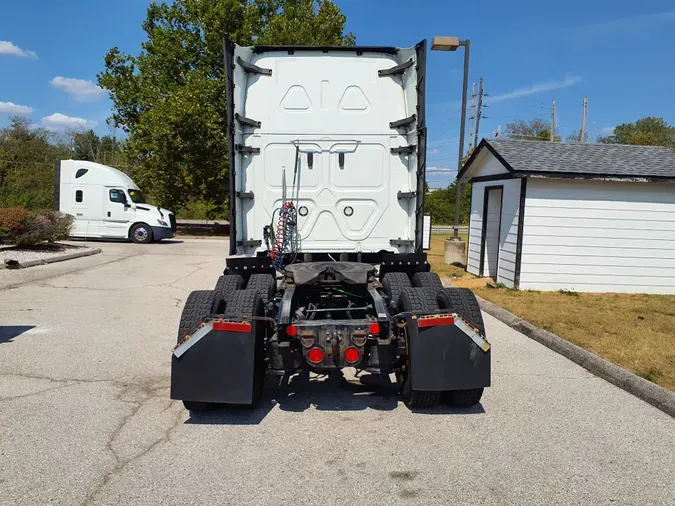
column 487, row 165
column 597, row 236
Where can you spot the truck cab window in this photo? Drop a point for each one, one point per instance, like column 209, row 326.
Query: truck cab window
column 78, row 196
column 118, row 196
column 81, row 172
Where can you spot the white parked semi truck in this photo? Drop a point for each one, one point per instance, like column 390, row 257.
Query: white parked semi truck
column 106, row 203
column 327, row 268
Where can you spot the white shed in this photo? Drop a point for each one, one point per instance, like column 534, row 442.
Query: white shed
column 581, row 217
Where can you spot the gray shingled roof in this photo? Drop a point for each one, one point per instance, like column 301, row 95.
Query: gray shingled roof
column 586, row 159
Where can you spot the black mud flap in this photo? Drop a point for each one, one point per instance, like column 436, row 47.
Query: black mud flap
column 219, row 366
column 444, row 356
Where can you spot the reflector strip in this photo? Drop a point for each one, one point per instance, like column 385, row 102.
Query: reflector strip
column 435, row 321
column 232, row 326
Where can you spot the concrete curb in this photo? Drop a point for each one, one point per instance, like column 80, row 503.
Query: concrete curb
column 649, row 392
column 60, row 258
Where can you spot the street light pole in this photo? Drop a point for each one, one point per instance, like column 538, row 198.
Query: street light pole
column 451, row 44
column 462, row 129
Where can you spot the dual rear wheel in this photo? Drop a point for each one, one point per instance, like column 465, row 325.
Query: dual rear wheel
column 425, row 293
column 231, row 299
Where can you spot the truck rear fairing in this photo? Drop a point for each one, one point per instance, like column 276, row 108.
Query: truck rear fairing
column 340, row 134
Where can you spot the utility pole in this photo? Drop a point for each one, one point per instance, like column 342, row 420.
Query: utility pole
column 480, row 107
column 473, row 114
column 552, row 121
column 582, row 134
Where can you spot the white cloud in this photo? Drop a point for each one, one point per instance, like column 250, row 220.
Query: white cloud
column 607, row 130
column 58, row 121
column 78, row 88
column 442, row 170
column 632, row 25
column 434, row 151
column 12, row 108
column 536, row 88
column 6, row 47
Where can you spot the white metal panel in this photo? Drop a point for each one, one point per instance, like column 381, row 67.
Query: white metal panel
column 599, row 236
column 332, row 104
column 426, row 233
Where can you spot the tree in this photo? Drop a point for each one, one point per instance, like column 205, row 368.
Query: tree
column 649, row 131
column 574, row 137
column 536, row 130
column 86, row 145
column 440, row 204
column 171, row 98
column 27, row 157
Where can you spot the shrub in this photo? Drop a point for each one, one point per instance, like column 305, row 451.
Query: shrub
column 25, row 228
column 62, row 223
column 13, row 219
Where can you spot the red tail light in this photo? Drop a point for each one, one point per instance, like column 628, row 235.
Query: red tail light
column 232, row 326
column 292, row 331
column 352, row 355
column 374, row 328
column 315, row 355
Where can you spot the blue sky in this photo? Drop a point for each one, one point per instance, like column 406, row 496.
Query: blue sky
column 617, row 53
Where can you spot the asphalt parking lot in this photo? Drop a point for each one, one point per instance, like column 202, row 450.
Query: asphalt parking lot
column 85, row 414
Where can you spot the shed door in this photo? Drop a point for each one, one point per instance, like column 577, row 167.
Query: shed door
column 492, row 214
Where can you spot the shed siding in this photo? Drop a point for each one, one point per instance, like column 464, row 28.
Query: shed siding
column 599, row 236
column 508, row 232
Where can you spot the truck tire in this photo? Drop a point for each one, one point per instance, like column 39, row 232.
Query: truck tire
column 428, row 280
column 463, row 302
column 229, row 283
column 463, row 398
column 242, row 304
column 263, row 284
column 394, row 283
column 197, row 307
column 141, row 233
column 417, row 299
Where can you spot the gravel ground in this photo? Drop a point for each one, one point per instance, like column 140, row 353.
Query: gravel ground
column 29, row 254
column 86, row 418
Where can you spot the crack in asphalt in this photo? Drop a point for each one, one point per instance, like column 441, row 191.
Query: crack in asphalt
column 60, row 380
column 144, row 391
column 23, row 396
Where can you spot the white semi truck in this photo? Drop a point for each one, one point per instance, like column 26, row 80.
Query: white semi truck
column 327, row 268
column 106, row 203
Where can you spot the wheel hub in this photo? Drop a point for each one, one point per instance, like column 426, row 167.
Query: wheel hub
column 141, row 234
